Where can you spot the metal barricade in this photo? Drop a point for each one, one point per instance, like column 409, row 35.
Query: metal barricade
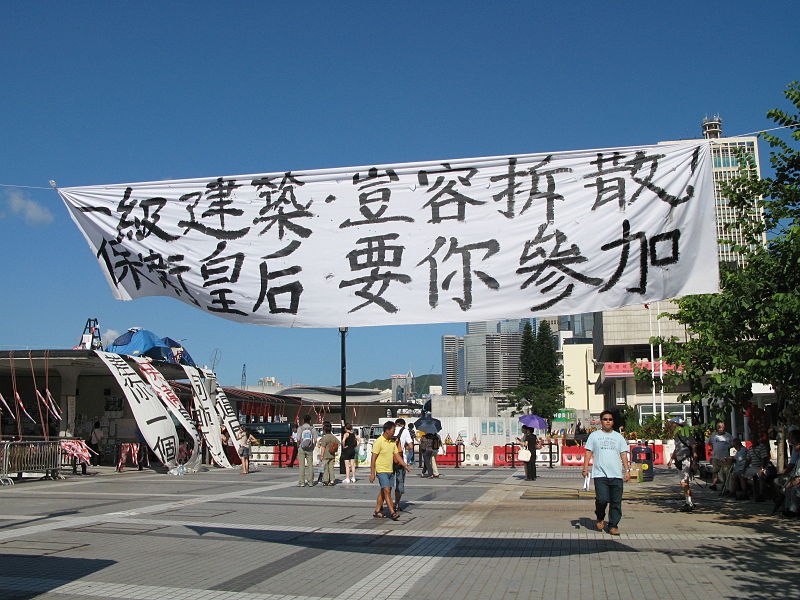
column 4, row 476
column 511, row 454
column 552, row 453
column 19, row 458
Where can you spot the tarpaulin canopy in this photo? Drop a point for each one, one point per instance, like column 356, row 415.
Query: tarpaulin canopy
column 141, row 342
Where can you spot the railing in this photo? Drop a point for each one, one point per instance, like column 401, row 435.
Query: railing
column 17, row 458
column 511, row 454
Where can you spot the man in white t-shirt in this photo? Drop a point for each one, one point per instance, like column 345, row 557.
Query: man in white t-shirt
column 404, row 441
column 610, row 453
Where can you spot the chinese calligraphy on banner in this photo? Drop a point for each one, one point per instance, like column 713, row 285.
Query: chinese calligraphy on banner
column 460, row 240
column 152, row 418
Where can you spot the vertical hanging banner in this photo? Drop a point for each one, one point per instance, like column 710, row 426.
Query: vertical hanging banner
column 151, row 417
column 210, row 427
column 447, row 241
column 224, row 409
column 173, row 404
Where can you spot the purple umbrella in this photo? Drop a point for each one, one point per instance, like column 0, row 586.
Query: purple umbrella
column 534, row 421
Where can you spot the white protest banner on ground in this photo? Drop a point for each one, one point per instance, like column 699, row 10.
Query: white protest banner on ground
column 151, row 417
column 459, row 240
column 173, row 404
column 210, row 427
column 224, row 409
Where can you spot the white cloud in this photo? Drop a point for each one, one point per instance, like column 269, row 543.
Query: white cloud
column 28, row 210
column 109, row 336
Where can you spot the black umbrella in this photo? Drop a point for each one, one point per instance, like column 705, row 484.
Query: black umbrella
column 428, row 424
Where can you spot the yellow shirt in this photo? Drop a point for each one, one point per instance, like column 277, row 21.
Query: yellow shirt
column 385, row 449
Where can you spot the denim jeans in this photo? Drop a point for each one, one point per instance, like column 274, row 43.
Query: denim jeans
column 608, row 492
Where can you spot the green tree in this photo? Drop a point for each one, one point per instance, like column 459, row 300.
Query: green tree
column 540, row 390
column 750, row 331
column 527, row 355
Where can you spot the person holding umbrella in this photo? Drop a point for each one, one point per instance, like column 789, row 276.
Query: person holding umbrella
column 429, row 443
column 531, row 442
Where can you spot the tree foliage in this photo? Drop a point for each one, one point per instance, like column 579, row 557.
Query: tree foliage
column 540, row 390
column 750, row 331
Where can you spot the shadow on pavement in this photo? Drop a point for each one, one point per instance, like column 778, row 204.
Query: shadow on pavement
column 378, row 543
column 25, row 576
column 771, row 566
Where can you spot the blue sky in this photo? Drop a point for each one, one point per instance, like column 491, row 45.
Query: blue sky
column 99, row 92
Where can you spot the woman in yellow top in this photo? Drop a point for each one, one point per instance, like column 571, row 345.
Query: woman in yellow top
column 384, row 454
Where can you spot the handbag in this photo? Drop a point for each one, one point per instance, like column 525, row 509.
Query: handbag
column 524, row 455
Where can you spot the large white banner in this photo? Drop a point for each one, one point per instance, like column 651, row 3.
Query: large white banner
column 151, row 417
column 459, row 240
column 173, row 404
column 224, row 409
column 210, row 427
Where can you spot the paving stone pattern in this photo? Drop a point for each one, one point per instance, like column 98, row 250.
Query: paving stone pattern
column 473, row 534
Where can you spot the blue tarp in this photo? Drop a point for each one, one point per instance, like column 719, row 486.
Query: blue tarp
column 183, row 356
column 142, row 343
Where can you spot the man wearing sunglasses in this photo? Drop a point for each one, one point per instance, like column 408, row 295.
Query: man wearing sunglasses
column 610, row 452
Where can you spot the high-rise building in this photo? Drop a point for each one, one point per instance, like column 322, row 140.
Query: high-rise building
column 581, row 325
column 403, row 387
column 486, row 359
column 725, row 167
column 622, row 336
column 452, row 363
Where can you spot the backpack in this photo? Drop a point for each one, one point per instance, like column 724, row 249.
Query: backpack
column 436, row 443
column 307, row 440
column 333, row 448
column 398, row 437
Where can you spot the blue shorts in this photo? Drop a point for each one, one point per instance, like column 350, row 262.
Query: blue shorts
column 244, row 452
column 386, row 480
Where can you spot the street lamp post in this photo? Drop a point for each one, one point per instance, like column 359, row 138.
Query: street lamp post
column 343, row 385
column 343, row 390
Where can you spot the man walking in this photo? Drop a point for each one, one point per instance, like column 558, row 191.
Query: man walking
column 404, row 443
column 306, row 440
column 384, row 454
column 610, row 452
column 329, row 446
column 683, row 457
column 721, row 442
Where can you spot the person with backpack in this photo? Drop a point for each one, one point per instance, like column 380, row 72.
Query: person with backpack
column 683, row 457
column 426, row 451
column 404, row 442
column 307, row 440
column 329, row 446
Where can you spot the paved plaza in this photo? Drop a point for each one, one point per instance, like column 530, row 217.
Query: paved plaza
column 475, row 533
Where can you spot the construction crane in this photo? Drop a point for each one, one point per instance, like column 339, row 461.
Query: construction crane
column 244, row 376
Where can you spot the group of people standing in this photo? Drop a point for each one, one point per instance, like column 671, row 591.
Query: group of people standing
column 306, row 439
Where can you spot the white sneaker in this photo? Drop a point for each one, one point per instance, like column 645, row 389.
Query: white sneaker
column 353, row 480
column 346, row 481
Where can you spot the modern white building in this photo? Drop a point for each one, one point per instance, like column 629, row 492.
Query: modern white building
column 724, row 155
